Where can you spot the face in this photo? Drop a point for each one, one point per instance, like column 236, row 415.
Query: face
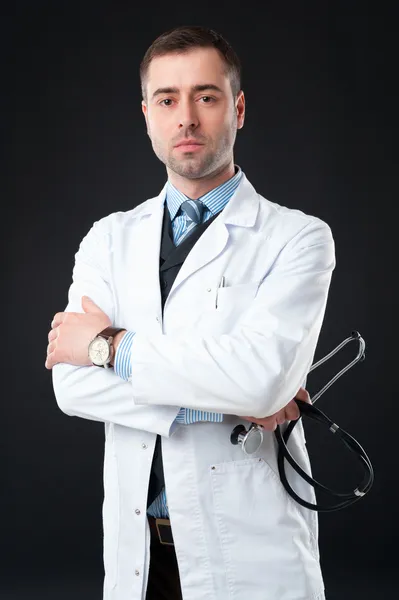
column 189, row 97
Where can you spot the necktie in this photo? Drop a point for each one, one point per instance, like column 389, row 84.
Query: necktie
column 193, row 209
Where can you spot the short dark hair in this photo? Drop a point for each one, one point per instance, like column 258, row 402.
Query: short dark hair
column 184, row 38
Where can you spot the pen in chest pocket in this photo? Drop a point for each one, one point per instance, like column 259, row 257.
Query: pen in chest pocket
column 221, row 284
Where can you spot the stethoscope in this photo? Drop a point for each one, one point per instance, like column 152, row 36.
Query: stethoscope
column 252, row 439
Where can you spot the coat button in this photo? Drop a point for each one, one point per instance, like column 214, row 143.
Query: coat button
column 137, row 511
column 137, row 572
column 209, row 290
column 144, row 446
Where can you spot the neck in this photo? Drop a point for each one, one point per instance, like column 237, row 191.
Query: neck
column 196, row 188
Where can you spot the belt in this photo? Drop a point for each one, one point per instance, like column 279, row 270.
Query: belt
column 161, row 529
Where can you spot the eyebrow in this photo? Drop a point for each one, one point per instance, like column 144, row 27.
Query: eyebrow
column 195, row 88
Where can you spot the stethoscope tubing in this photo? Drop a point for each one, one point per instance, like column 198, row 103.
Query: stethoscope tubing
column 309, row 410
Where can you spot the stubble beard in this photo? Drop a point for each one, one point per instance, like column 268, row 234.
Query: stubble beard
column 193, row 166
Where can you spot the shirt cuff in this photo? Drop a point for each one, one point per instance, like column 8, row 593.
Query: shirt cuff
column 123, row 356
column 181, row 417
column 187, row 416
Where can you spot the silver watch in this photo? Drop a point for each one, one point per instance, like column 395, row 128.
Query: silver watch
column 101, row 350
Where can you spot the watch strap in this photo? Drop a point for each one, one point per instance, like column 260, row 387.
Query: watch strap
column 110, row 331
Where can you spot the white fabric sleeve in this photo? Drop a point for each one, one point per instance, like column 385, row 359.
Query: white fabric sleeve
column 260, row 365
column 92, row 392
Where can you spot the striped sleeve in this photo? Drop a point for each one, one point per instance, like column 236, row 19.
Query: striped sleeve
column 123, row 362
column 187, row 416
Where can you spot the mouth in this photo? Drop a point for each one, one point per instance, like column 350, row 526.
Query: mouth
column 189, row 147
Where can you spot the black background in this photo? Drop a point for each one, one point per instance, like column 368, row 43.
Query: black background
column 319, row 81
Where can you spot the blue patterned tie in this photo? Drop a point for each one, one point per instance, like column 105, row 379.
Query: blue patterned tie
column 193, row 209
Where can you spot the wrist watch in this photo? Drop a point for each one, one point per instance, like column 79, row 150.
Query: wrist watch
column 101, row 350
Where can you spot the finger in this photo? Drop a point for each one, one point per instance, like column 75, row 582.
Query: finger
column 50, row 361
column 303, row 395
column 254, row 420
column 53, row 333
column 51, row 348
column 268, row 423
column 280, row 416
column 292, row 411
column 57, row 320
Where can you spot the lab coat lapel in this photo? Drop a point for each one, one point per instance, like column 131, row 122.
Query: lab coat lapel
column 175, row 255
column 240, row 211
column 144, row 255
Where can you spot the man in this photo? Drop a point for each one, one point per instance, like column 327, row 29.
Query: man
column 215, row 298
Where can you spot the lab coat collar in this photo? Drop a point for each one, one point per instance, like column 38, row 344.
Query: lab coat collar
column 241, row 210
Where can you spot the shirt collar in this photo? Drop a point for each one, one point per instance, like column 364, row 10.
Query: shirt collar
column 214, row 200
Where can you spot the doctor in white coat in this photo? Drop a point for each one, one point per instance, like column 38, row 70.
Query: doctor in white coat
column 241, row 351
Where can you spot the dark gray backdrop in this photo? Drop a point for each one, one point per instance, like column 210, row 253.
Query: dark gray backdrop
column 319, row 90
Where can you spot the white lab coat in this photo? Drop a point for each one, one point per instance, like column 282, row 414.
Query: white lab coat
column 238, row 535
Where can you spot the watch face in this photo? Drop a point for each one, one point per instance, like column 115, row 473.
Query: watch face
column 99, row 351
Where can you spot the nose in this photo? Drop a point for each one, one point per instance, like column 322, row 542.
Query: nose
column 188, row 115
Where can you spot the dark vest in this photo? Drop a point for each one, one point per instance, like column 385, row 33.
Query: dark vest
column 171, row 258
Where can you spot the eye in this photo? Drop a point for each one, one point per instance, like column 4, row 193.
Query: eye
column 166, row 100
column 209, row 98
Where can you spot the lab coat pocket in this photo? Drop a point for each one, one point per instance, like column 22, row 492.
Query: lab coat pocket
column 235, row 297
column 110, row 510
column 261, row 531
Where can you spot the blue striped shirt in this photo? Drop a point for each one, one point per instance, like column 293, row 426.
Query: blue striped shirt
column 214, row 202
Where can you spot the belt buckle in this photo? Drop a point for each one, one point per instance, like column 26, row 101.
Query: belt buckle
column 162, row 524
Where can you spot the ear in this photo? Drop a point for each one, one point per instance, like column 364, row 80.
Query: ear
column 144, row 108
column 240, row 109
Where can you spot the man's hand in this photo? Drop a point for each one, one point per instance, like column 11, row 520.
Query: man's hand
column 72, row 332
column 288, row 413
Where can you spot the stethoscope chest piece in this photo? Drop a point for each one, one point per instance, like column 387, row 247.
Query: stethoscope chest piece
column 250, row 441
